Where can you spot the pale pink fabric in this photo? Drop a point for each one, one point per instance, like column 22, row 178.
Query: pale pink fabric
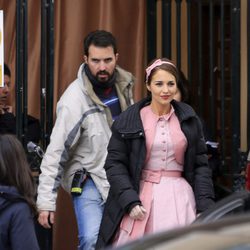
column 150, row 120
column 166, row 196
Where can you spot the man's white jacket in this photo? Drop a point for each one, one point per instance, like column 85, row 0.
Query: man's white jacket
column 80, row 137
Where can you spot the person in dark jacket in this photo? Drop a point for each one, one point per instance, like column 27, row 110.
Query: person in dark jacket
column 156, row 165
column 214, row 162
column 17, row 191
column 7, row 117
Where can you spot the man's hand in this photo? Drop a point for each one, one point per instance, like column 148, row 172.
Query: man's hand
column 46, row 218
column 138, row 212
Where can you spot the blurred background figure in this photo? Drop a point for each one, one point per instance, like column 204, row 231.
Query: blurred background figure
column 17, row 194
column 8, row 126
column 248, row 172
column 7, row 119
column 7, row 116
column 183, row 95
column 4, row 91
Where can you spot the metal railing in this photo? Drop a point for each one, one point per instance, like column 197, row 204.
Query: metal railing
column 46, row 85
column 213, row 65
column 47, row 65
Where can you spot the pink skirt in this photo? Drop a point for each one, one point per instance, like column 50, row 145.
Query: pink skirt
column 169, row 202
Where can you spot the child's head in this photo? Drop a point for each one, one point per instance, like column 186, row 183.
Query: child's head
column 14, row 168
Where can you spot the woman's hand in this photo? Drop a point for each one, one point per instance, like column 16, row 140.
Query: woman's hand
column 138, row 212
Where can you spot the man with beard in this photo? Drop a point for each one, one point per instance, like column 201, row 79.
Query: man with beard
column 78, row 145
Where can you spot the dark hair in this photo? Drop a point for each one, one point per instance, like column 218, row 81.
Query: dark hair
column 169, row 67
column 14, row 169
column 99, row 38
column 183, row 87
column 7, row 70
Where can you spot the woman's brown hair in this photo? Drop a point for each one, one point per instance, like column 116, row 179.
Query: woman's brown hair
column 15, row 170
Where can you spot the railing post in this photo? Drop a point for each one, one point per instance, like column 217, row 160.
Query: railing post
column 166, row 28
column 50, row 70
column 43, row 73
column 235, row 81
column 178, row 32
column 189, row 60
column 200, row 61
column 212, row 96
column 47, row 69
column 21, row 70
column 222, row 84
column 151, row 30
column 248, row 75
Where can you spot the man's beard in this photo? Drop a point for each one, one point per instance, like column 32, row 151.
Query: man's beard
column 99, row 76
column 101, row 82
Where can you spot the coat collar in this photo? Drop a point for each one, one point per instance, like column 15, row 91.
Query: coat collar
column 183, row 111
column 130, row 121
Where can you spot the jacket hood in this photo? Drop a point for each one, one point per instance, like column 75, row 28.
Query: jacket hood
column 80, row 79
column 7, row 194
column 124, row 78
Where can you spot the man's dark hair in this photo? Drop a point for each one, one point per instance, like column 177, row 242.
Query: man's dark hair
column 99, row 38
column 7, row 70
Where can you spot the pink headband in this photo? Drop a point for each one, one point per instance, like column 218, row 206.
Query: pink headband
column 158, row 62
